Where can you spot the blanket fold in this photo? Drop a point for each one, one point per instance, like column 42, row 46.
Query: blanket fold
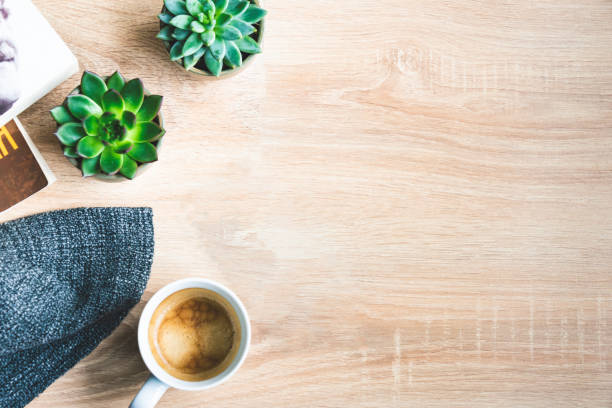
column 67, row 279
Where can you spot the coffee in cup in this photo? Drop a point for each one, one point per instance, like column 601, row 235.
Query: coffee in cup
column 194, row 334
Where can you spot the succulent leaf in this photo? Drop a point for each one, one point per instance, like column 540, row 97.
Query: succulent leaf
column 213, row 64
column 253, row 14
column 165, row 33
column 209, row 6
column 123, row 147
column 70, row 133
column 107, row 118
column 232, row 3
column 181, row 21
column 180, row 34
column 133, row 95
column 194, row 7
column 176, row 7
column 61, row 115
column 82, row 106
column 223, row 19
column 110, row 162
column 232, row 55
column 228, row 33
column 190, row 60
column 150, row 108
column 116, row 82
column 129, row 167
column 122, row 132
column 143, row 152
column 210, row 13
column 70, row 151
column 192, row 44
column 208, row 38
column 128, row 118
column 145, row 132
column 113, row 102
column 244, row 28
column 197, row 27
column 248, row 45
column 91, row 124
column 220, row 6
column 90, row 147
column 217, row 49
column 237, row 8
column 90, row 167
column 202, row 18
column 165, row 17
column 176, row 52
column 93, row 86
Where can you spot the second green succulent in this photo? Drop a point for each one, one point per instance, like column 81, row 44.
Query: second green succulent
column 216, row 32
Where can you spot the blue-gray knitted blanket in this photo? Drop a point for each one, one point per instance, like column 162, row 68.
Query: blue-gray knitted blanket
column 67, row 279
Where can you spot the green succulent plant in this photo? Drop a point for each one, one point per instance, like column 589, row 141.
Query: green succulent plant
column 109, row 126
column 219, row 32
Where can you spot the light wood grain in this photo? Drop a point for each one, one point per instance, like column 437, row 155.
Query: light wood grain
column 412, row 198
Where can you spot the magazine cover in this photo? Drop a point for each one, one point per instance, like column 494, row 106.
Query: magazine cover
column 33, row 58
column 23, row 171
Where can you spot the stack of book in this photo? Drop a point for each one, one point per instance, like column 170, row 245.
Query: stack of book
column 33, row 61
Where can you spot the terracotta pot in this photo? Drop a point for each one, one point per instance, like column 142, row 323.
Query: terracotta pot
column 226, row 72
column 117, row 178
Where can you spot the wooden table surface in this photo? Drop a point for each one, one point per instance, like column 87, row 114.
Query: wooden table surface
column 412, row 198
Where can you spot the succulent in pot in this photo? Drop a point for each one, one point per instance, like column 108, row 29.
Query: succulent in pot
column 212, row 37
column 109, row 128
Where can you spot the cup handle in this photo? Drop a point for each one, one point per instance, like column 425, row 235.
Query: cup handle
column 149, row 394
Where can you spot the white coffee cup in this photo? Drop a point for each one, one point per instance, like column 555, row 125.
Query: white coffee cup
column 160, row 380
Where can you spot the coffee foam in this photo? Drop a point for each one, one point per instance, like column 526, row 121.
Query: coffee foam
column 193, row 334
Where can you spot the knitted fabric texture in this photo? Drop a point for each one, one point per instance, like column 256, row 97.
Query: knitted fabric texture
column 67, row 279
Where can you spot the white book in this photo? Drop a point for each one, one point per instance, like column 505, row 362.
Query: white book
column 33, row 58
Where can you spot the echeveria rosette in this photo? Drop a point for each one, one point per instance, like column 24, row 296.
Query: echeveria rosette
column 217, row 31
column 109, row 126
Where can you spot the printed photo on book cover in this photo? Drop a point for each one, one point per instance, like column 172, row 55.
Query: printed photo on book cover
column 10, row 87
column 33, row 58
